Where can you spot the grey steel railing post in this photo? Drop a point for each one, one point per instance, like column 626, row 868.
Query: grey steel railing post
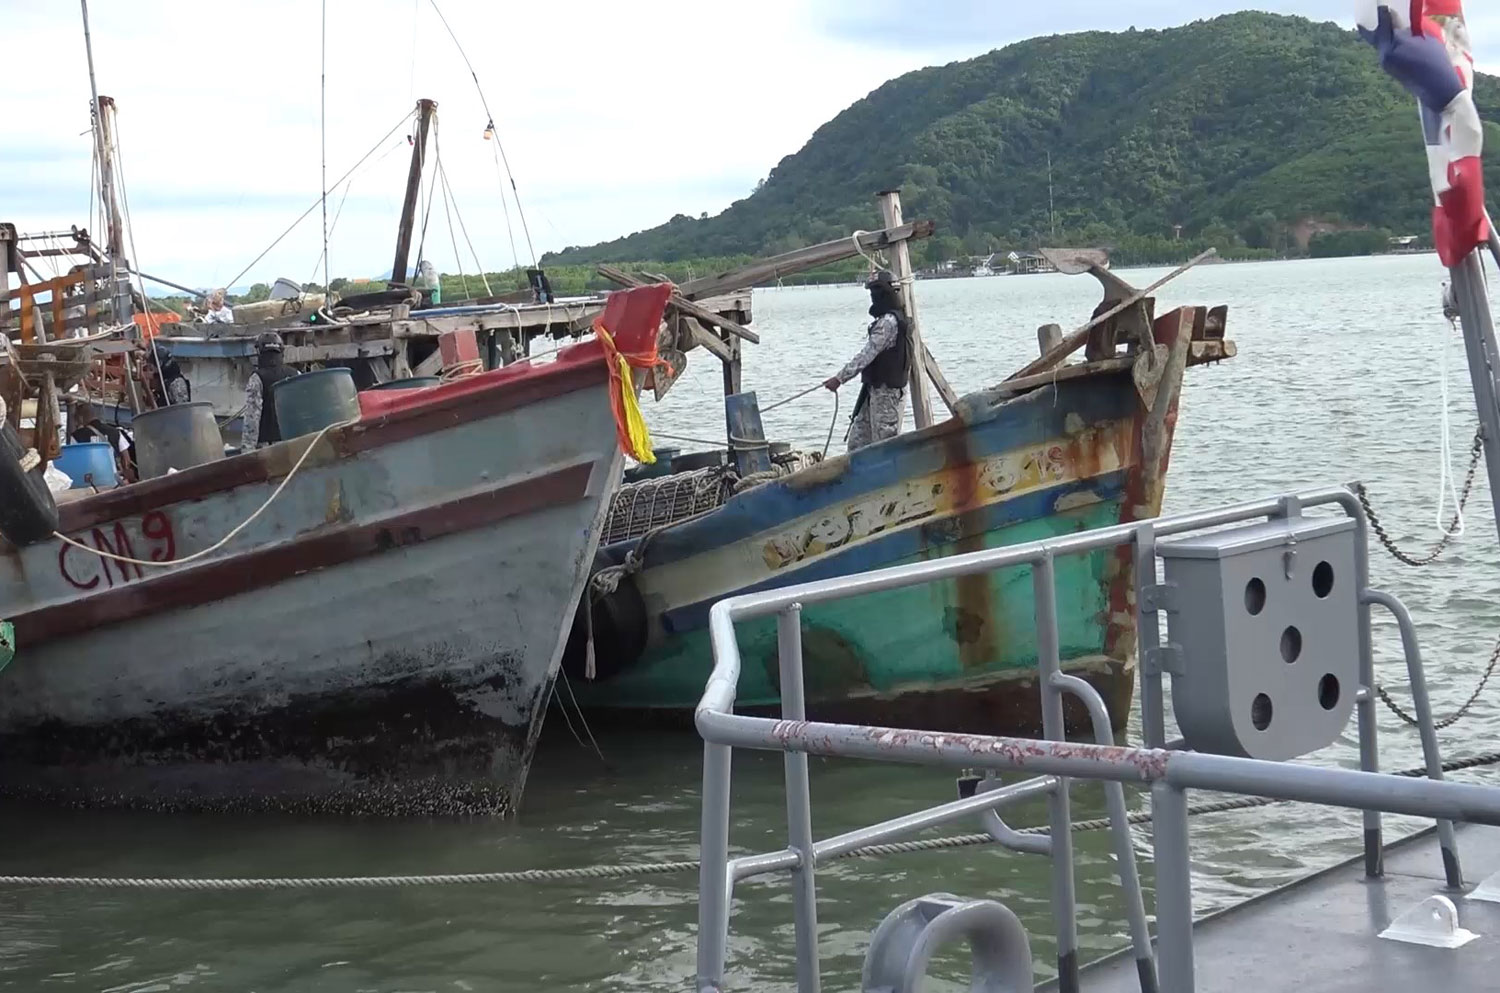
column 1119, row 829
column 1422, row 704
column 713, row 873
column 1174, row 888
column 1148, row 639
column 1365, row 702
column 1049, row 665
column 799, row 801
column 1479, row 343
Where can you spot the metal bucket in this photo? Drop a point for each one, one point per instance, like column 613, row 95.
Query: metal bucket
column 310, row 402
column 410, row 383
column 178, row 436
column 88, row 463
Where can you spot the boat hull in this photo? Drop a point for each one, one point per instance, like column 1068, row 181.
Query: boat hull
column 409, row 682
column 952, row 656
column 382, row 640
column 956, row 655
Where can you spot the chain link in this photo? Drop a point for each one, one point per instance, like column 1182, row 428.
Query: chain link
column 1449, row 533
column 1476, row 451
column 1458, row 714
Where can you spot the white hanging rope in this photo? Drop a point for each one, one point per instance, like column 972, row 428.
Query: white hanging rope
column 339, row 212
column 494, row 132
column 135, row 255
column 875, row 264
column 452, row 236
column 464, row 228
column 515, row 257
column 1447, row 487
column 303, row 216
column 323, row 133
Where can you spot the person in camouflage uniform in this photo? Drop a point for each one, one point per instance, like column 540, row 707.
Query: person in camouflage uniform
column 882, row 365
column 260, row 425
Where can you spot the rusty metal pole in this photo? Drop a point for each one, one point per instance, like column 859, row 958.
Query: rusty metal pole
column 425, row 110
column 921, row 402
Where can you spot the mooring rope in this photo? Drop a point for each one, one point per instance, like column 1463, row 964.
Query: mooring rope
column 228, row 537
column 626, row 870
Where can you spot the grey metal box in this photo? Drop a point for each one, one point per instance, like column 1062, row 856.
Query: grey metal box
column 1265, row 619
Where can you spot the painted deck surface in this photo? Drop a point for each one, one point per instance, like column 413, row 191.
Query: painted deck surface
column 1319, row 935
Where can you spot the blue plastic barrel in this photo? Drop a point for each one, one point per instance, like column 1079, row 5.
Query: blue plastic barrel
column 89, row 463
column 310, row 402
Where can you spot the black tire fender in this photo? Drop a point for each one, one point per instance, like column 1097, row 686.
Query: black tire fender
column 28, row 514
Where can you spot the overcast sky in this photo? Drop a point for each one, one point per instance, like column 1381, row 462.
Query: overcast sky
column 614, row 116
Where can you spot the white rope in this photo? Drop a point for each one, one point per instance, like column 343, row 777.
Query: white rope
column 794, row 396
column 828, row 442
column 462, row 227
column 323, row 131
column 468, row 367
column 442, row 182
column 349, row 185
column 621, row 871
column 494, row 132
column 135, row 255
column 303, row 216
column 515, row 257
column 1447, row 478
column 231, row 535
column 875, row 264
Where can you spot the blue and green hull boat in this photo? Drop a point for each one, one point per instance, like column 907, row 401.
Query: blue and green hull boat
column 1086, row 450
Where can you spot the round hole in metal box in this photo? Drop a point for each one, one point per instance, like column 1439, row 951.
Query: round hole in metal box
column 1255, row 596
column 1328, row 691
column 1322, row 580
column 1260, row 712
column 1291, row 645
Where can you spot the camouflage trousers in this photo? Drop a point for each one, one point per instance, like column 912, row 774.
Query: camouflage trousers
column 879, row 419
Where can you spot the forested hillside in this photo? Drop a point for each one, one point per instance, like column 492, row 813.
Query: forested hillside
column 1237, row 129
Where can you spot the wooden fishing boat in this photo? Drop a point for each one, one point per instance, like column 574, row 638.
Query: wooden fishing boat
column 383, row 638
column 1045, row 454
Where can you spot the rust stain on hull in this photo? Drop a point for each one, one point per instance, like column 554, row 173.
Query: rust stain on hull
column 1146, row 483
column 972, row 620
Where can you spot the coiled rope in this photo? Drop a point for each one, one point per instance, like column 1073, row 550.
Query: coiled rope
column 620, row 871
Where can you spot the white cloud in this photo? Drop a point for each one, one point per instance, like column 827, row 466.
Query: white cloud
column 613, row 119
column 614, row 116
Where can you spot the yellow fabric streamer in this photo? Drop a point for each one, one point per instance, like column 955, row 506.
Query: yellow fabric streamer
column 630, row 423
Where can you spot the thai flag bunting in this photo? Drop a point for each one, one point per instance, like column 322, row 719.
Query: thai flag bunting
column 1424, row 45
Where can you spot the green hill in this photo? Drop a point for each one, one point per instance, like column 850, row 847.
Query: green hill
column 1236, row 128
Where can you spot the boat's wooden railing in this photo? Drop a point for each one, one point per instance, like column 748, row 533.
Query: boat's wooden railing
column 42, row 311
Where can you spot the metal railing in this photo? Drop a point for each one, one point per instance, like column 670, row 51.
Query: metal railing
column 1167, row 770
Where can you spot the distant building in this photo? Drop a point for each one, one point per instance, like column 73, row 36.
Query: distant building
column 1028, row 264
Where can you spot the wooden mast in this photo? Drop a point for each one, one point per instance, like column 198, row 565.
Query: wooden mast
column 921, row 404
column 413, row 187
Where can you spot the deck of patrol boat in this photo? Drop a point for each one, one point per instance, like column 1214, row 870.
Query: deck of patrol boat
column 1320, row 934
